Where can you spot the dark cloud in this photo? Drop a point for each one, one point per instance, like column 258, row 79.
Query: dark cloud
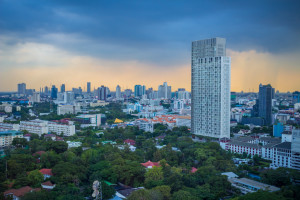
column 152, row 31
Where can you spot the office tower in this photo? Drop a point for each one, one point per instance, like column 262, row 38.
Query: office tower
column 88, row 87
column 210, row 88
column 102, row 93
column 46, row 90
column 54, row 91
column 138, row 91
column 62, row 88
column 22, row 88
column 118, row 92
column 164, row 91
column 143, row 90
column 265, row 103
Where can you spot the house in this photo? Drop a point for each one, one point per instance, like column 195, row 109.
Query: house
column 48, row 185
column 150, row 164
column 193, row 170
column 129, row 142
column 50, row 136
column 27, row 137
column 16, row 194
column 47, row 173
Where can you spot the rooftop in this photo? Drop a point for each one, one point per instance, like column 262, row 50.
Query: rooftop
column 255, row 184
column 284, row 145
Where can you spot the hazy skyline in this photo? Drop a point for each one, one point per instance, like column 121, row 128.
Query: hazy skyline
column 145, row 42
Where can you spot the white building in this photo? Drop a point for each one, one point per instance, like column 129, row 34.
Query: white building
column 295, row 148
column 68, row 109
column 282, row 155
column 35, row 126
column 6, row 137
column 36, row 97
column 6, row 108
column 210, row 88
column 65, row 129
column 89, row 120
column 118, row 92
column 7, row 126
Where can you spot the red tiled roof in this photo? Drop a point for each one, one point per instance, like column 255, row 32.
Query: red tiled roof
column 39, row 153
column 46, row 172
column 193, row 170
column 129, row 141
column 149, row 163
column 48, row 183
column 18, row 192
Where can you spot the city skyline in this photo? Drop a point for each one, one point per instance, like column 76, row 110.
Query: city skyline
column 141, row 43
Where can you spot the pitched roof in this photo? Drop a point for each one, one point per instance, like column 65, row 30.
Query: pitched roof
column 284, row 145
column 39, row 153
column 18, row 192
column 150, row 164
column 48, row 183
column 46, row 172
column 193, row 170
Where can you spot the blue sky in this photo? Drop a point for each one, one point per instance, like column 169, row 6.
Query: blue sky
column 154, row 34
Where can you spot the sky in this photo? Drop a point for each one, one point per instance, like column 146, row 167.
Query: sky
column 117, row 42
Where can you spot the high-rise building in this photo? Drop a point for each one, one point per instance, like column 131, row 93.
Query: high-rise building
column 265, row 103
column 22, row 88
column 164, row 91
column 88, row 86
column 102, row 93
column 54, row 91
column 46, row 90
column 62, row 88
column 118, row 92
column 296, row 97
column 138, row 89
column 36, row 97
column 210, row 88
column 128, row 92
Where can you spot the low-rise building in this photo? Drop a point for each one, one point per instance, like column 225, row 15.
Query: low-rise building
column 65, row 129
column 35, row 126
column 248, row 186
column 93, row 120
column 68, row 109
column 6, row 108
column 8, row 126
column 6, row 137
column 282, row 155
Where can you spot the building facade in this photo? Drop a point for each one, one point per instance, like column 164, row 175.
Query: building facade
column 265, row 103
column 210, row 88
column 6, row 137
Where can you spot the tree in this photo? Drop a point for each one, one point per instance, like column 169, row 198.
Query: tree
column 181, row 194
column 35, row 177
column 19, row 142
column 140, row 195
column 58, row 146
column 164, row 190
column 261, row 195
column 154, row 177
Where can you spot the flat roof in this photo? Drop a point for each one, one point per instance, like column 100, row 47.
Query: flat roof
column 255, row 184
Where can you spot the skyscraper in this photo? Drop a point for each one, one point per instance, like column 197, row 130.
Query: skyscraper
column 265, row 96
column 21, row 88
column 164, row 91
column 102, row 93
column 118, row 92
column 54, row 91
column 138, row 91
column 63, row 88
column 210, row 88
column 88, row 87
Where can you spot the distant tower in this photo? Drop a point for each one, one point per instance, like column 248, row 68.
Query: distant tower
column 210, row 88
column 62, row 88
column 265, row 95
column 54, row 91
column 118, row 92
column 88, row 86
column 22, row 88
